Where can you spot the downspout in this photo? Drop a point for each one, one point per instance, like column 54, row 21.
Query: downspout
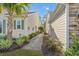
column 67, row 25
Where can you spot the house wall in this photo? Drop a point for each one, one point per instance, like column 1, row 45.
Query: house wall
column 73, row 20
column 32, row 21
column 59, row 26
column 47, row 23
column 31, row 24
column 18, row 32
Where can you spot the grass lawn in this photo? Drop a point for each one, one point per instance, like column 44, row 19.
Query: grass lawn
column 22, row 52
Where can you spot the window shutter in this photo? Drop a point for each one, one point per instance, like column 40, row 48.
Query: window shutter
column 4, row 26
column 14, row 24
column 22, row 24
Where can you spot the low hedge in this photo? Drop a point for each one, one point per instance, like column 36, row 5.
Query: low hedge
column 25, row 39
column 20, row 41
column 5, row 44
column 33, row 35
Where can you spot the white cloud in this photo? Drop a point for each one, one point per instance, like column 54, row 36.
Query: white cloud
column 47, row 8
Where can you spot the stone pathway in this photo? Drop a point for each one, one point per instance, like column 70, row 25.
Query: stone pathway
column 35, row 43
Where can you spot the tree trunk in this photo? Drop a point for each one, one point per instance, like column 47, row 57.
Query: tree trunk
column 9, row 27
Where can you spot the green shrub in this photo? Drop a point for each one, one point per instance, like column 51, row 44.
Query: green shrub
column 26, row 39
column 4, row 44
column 20, row 41
column 32, row 35
column 41, row 29
column 54, row 45
column 74, row 49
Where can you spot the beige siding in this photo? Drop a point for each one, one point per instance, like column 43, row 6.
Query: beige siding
column 32, row 21
column 47, row 24
column 59, row 26
column 18, row 32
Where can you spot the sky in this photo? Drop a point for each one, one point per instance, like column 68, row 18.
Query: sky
column 42, row 8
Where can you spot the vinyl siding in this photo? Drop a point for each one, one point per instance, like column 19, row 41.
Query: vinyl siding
column 31, row 21
column 59, row 27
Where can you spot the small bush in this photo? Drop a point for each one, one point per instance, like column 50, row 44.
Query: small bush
column 25, row 38
column 41, row 29
column 33, row 35
column 20, row 41
column 74, row 49
column 5, row 44
column 55, row 45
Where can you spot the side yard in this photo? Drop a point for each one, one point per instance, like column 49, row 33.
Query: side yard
column 33, row 48
column 23, row 46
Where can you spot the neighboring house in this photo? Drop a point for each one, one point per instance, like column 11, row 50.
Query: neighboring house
column 56, row 24
column 21, row 26
column 73, row 19
column 62, row 22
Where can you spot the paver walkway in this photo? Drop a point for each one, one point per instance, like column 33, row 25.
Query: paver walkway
column 35, row 43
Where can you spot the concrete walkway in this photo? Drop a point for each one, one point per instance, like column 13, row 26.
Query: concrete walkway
column 35, row 43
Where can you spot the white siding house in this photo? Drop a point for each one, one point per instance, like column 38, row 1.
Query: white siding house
column 56, row 24
column 21, row 26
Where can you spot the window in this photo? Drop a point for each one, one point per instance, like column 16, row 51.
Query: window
column 18, row 24
column 2, row 27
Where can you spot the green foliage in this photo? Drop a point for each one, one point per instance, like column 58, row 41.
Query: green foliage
column 41, row 29
column 20, row 41
column 33, row 35
column 54, row 45
column 74, row 49
column 19, row 8
column 25, row 39
column 4, row 44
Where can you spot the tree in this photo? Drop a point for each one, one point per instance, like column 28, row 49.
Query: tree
column 13, row 9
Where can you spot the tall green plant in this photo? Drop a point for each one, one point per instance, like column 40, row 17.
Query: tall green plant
column 5, row 44
column 74, row 49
